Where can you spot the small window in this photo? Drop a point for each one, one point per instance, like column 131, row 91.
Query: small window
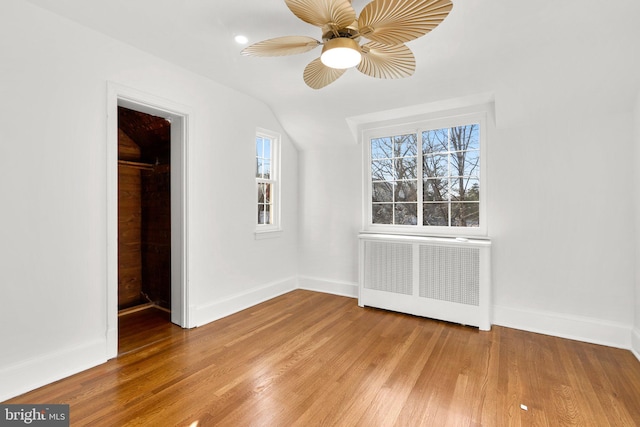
column 425, row 177
column 267, row 181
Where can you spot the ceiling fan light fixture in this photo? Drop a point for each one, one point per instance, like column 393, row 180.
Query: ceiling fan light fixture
column 341, row 53
column 386, row 24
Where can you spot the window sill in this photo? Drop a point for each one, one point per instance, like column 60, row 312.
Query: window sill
column 445, row 232
column 409, row 238
column 268, row 234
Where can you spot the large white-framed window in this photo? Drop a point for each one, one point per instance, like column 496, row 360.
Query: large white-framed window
column 426, row 176
column 267, row 172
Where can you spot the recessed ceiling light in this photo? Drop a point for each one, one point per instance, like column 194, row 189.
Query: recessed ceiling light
column 240, row 39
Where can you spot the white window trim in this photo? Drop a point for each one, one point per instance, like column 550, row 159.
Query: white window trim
column 264, row 231
column 417, row 123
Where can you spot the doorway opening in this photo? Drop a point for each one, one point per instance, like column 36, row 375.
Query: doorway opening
column 144, row 228
column 147, row 157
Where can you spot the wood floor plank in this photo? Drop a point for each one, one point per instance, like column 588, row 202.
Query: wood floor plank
column 308, row 358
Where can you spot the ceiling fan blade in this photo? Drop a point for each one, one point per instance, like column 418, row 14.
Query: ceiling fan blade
column 280, row 46
column 399, row 21
column 317, row 75
column 387, row 61
column 333, row 14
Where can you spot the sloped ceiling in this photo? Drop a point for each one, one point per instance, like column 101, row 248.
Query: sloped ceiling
column 546, row 55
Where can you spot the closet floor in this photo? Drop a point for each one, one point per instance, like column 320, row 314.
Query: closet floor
column 140, row 329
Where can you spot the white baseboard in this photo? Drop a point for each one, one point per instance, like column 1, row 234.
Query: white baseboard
column 112, row 337
column 238, row 302
column 344, row 289
column 635, row 342
column 595, row 331
column 42, row 370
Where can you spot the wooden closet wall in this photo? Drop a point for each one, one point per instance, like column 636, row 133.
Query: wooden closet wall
column 144, row 210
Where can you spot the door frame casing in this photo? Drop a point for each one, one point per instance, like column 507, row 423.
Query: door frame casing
column 181, row 122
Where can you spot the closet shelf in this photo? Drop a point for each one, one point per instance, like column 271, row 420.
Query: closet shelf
column 136, row 165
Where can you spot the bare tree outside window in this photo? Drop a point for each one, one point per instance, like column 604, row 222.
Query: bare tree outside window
column 268, row 183
column 451, row 168
column 263, row 176
column 394, row 162
column 449, row 187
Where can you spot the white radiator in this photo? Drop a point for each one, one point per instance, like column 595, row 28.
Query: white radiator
column 441, row 278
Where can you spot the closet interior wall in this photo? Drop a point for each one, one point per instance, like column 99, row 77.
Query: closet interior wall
column 144, row 210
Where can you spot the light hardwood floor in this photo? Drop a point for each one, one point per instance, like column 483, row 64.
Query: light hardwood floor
column 306, row 359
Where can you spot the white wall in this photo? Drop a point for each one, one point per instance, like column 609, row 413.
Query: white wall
column 53, row 128
column 330, row 211
column 559, row 184
column 560, row 210
column 636, row 192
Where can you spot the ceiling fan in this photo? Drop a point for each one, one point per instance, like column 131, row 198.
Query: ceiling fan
column 388, row 24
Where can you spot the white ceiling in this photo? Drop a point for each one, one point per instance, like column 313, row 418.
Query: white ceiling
column 539, row 54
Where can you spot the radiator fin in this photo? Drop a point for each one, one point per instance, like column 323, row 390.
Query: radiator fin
column 450, row 274
column 389, row 267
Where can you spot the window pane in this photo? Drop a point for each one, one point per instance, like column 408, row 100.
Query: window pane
column 406, row 213
column 264, row 214
column 406, row 191
column 382, row 192
column 435, row 166
column 259, row 147
column 267, row 214
column 406, row 168
column 381, row 148
column 261, row 214
column 465, row 189
column 266, row 169
column 435, row 190
column 264, row 193
column 472, row 163
column 474, row 142
column 435, row 214
column 267, row 149
column 465, row 163
column 405, row 146
column 382, row 213
column 258, row 168
column 435, row 141
column 382, row 170
column 465, row 214
column 465, row 138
